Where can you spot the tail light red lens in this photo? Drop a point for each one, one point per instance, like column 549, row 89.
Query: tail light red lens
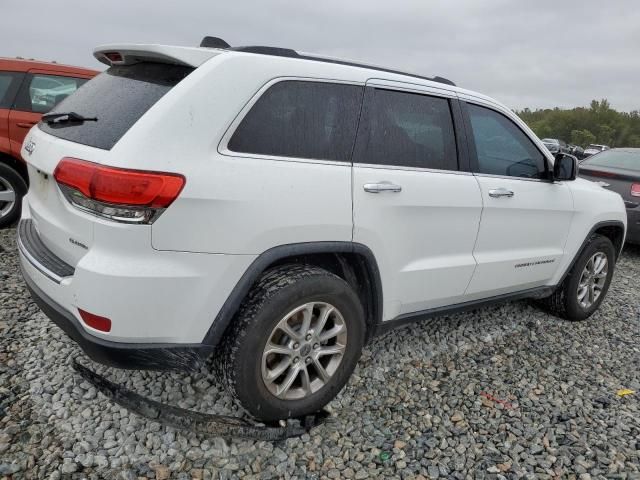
column 95, row 321
column 118, row 194
column 119, row 186
column 635, row 190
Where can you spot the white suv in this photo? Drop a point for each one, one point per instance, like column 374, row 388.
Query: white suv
column 282, row 209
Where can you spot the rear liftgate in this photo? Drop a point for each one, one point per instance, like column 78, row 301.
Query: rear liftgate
column 218, row 425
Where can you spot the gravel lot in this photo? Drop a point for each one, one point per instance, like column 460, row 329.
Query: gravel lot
column 505, row 392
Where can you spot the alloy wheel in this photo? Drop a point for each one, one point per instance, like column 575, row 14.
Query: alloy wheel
column 304, row 351
column 7, row 197
column 592, row 280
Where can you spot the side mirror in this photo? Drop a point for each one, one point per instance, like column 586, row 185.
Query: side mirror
column 565, row 167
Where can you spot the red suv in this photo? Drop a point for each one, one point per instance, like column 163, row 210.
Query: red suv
column 27, row 90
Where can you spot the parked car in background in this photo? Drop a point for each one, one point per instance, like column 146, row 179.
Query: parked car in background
column 618, row 169
column 594, row 148
column 555, row 145
column 577, row 151
column 27, row 90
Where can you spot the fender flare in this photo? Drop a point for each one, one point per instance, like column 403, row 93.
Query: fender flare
column 597, row 226
column 259, row 265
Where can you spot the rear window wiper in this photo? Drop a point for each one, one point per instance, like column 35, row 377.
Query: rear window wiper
column 52, row 118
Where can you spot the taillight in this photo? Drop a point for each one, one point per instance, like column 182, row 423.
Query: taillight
column 95, row 321
column 635, row 190
column 123, row 195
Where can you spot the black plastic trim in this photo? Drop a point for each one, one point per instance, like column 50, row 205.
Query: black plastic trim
column 29, row 239
column 273, row 51
column 408, row 318
column 138, row 356
column 597, row 226
column 260, row 264
column 464, row 162
column 290, row 53
column 214, row 42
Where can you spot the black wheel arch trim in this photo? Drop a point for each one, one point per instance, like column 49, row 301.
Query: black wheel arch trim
column 596, row 227
column 264, row 260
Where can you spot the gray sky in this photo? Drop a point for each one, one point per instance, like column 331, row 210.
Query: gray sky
column 524, row 53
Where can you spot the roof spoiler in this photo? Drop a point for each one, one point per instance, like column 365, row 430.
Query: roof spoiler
column 128, row 54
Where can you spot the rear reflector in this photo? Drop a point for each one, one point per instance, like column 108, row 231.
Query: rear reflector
column 134, row 196
column 96, row 321
column 635, row 190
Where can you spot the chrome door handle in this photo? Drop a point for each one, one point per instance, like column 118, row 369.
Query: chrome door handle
column 500, row 192
column 382, row 187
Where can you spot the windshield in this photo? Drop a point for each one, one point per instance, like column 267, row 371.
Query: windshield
column 629, row 160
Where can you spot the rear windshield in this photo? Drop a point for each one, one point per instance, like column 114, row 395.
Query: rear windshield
column 615, row 159
column 118, row 98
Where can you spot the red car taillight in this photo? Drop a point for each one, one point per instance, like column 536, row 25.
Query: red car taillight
column 635, row 190
column 131, row 196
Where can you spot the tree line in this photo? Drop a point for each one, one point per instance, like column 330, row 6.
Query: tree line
column 599, row 124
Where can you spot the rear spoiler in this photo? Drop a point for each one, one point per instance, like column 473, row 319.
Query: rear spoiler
column 128, row 54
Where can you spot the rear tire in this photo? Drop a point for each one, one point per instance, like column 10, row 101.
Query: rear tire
column 281, row 301
column 12, row 189
column 582, row 292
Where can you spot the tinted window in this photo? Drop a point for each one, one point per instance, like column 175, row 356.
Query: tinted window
column 301, row 119
column 502, row 148
column 118, row 98
column 407, row 129
column 627, row 159
column 8, row 86
column 43, row 92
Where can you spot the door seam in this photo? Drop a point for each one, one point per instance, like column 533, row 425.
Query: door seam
column 475, row 243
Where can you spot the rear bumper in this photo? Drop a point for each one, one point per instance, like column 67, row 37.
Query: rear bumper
column 633, row 225
column 139, row 356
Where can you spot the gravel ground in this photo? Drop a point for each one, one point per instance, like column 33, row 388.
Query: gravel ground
column 505, row 392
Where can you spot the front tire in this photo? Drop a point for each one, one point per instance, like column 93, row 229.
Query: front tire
column 294, row 343
column 12, row 189
column 586, row 285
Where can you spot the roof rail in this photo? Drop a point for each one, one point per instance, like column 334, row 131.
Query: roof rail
column 215, row 42
column 275, row 51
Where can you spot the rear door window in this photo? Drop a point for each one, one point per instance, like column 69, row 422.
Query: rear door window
column 302, row 119
column 9, row 83
column 407, row 130
column 117, row 98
